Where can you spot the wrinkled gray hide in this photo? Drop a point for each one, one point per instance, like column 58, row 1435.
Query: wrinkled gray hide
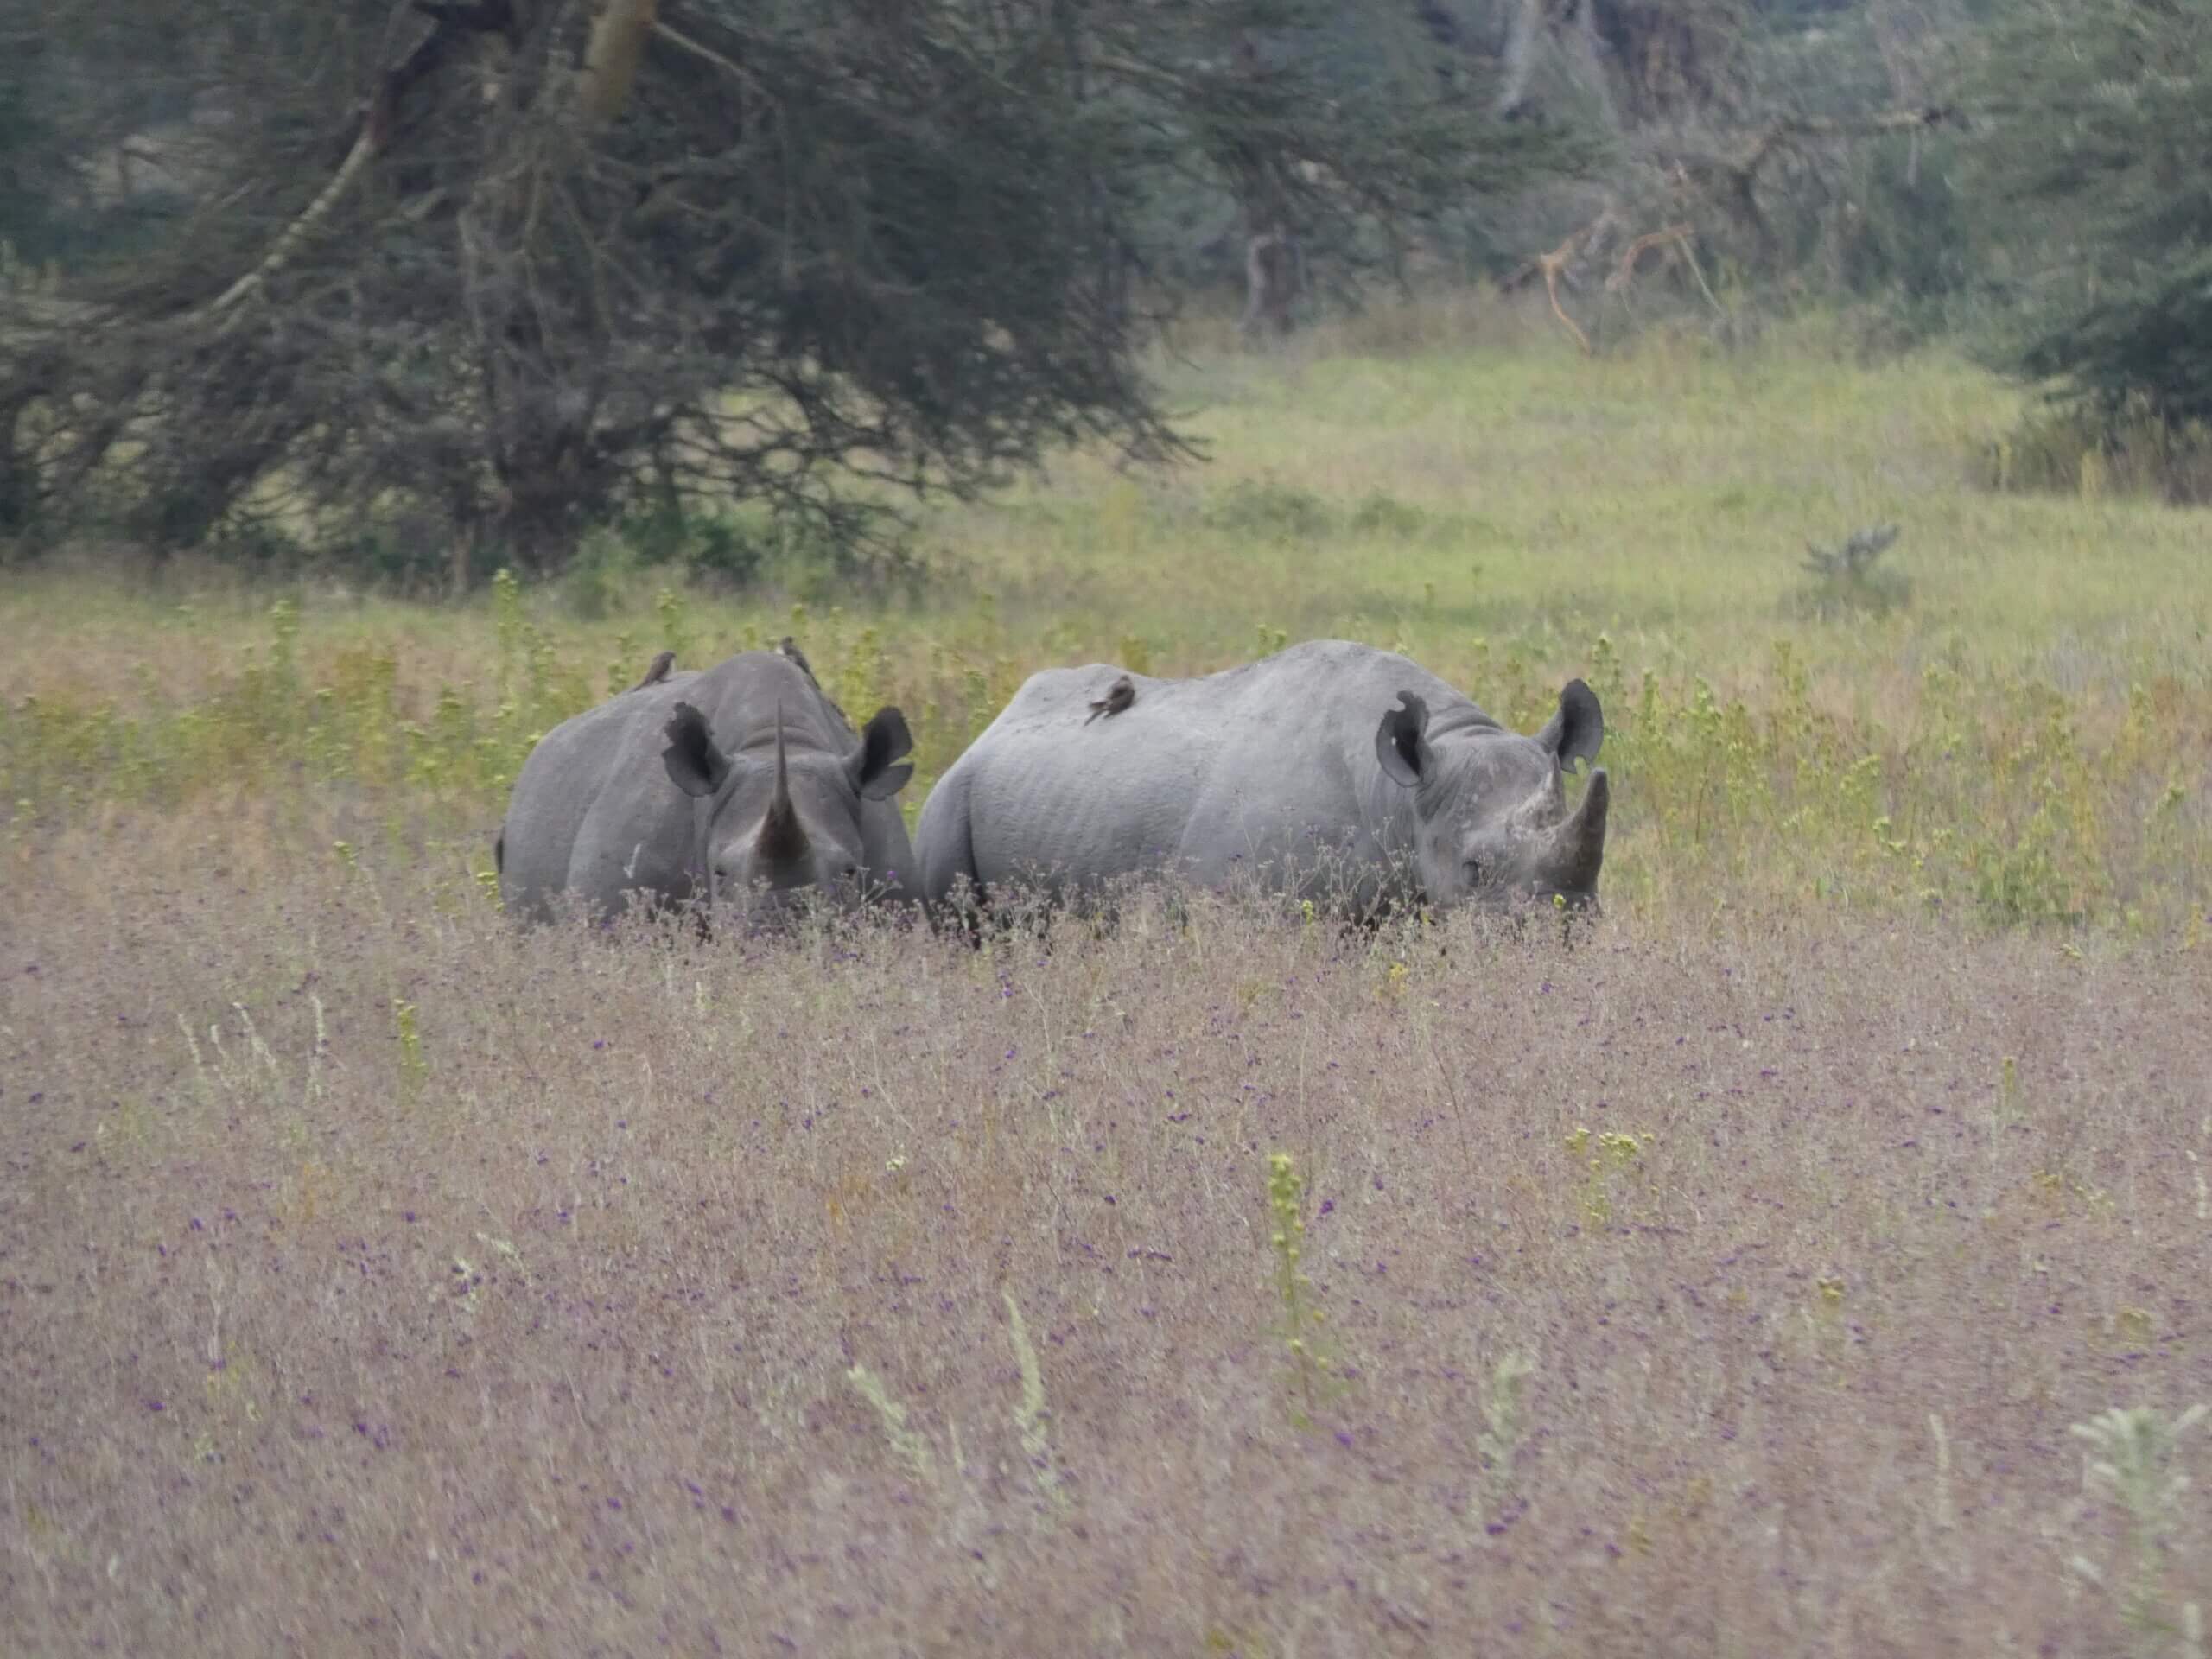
column 1329, row 770
column 638, row 795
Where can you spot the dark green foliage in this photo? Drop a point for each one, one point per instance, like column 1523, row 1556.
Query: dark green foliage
column 1869, row 212
column 1909, row 238
column 66, row 197
column 721, row 552
column 26, row 198
column 2097, row 201
column 920, row 245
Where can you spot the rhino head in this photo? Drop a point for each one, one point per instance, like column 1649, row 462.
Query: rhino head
column 767, row 829
column 1490, row 805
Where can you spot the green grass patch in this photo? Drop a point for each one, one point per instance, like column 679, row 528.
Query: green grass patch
column 2009, row 722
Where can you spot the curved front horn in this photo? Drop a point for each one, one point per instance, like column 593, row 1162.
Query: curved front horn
column 1578, row 846
column 783, row 837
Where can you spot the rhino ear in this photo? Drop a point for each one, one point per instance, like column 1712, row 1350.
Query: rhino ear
column 694, row 765
column 1577, row 726
column 884, row 740
column 1402, row 743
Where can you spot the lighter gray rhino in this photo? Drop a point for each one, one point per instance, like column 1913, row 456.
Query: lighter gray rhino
column 737, row 781
column 1329, row 770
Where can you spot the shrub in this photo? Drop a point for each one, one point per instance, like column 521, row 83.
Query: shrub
column 1271, row 510
column 2133, row 450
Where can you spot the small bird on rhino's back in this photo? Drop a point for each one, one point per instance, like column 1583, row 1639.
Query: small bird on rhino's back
column 1119, row 696
column 788, row 647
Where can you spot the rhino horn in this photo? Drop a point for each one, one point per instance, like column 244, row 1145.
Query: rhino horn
column 783, row 837
column 1578, row 846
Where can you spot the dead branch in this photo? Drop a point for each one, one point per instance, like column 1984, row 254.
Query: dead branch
column 1678, row 239
column 1552, row 263
column 1624, row 273
column 1855, row 556
column 1553, row 267
column 1549, row 267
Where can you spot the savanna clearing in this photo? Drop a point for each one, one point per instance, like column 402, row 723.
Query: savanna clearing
column 1753, row 1276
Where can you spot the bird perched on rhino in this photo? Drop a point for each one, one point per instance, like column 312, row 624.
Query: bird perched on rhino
column 1119, row 696
column 658, row 673
column 788, row 647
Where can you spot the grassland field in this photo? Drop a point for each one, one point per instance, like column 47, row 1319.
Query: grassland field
column 1811, row 1259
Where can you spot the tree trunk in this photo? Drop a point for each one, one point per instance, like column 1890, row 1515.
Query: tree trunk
column 1906, row 35
column 617, row 46
column 1590, row 50
column 18, row 483
column 538, row 515
column 1519, row 58
column 1271, row 283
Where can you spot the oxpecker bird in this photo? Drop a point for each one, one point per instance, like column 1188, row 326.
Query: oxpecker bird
column 789, row 646
column 1119, row 696
column 658, row 673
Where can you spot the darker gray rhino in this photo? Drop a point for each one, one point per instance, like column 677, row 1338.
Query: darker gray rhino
column 738, row 781
column 1329, row 770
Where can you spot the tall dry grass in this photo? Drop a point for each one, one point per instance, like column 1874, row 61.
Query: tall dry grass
column 1758, row 1276
column 377, row 1278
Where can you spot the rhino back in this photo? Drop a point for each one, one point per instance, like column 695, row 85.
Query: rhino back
column 564, row 782
column 1198, row 776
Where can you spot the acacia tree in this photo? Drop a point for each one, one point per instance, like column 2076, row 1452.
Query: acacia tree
column 528, row 262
